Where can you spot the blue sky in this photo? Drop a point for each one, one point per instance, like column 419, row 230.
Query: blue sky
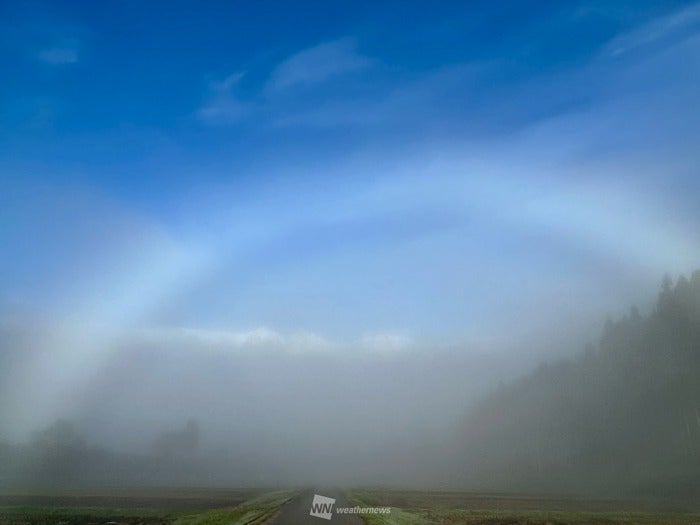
column 373, row 174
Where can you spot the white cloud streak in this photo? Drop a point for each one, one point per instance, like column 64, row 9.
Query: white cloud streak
column 386, row 342
column 318, row 64
column 679, row 23
column 263, row 339
column 222, row 105
column 308, row 69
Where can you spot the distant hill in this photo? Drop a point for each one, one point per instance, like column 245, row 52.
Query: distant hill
column 621, row 418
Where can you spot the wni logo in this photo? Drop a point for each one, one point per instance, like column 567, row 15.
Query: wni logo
column 322, row 507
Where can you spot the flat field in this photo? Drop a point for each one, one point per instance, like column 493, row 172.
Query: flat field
column 140, row 506
column 149, row 506
column 451, row 508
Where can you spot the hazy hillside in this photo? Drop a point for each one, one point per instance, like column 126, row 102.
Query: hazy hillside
column 622, row 417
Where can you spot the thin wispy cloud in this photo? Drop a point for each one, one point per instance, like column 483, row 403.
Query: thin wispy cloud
column 267, row 340
column 260, row 339
column 35, row 31
column 309, row 69
column 670, row 28
column 228, row 83
column 399, row 103
column 224, row 109
column 318, row 64
column 386, row 342
column 222, row 104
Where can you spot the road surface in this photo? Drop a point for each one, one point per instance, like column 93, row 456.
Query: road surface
column 297, row 511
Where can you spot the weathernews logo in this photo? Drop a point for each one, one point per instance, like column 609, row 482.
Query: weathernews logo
column 322, row 507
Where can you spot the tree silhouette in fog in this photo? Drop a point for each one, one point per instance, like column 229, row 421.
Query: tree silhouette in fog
column 60, row 449
column 624, row 415
column 182, row 443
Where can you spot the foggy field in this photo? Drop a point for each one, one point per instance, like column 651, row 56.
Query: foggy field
column 247, row 507
column 147, row 506
column 446, row 508
column 142, row 497
column 507, row 502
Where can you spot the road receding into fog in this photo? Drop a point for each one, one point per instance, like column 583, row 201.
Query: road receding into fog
column 298, row 510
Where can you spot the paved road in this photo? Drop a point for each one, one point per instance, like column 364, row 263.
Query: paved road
column 297, row 511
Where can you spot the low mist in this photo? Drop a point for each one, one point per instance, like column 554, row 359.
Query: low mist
column 265, row 414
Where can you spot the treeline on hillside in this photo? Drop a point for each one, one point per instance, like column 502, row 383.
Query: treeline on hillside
column 59, row 455
column 621, row 418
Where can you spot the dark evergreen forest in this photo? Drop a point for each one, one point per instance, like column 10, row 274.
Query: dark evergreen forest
column 622, row 417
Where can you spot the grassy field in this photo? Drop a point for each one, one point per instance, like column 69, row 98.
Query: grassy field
column 255, row 507
column 142, row 506
column 451, row 508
